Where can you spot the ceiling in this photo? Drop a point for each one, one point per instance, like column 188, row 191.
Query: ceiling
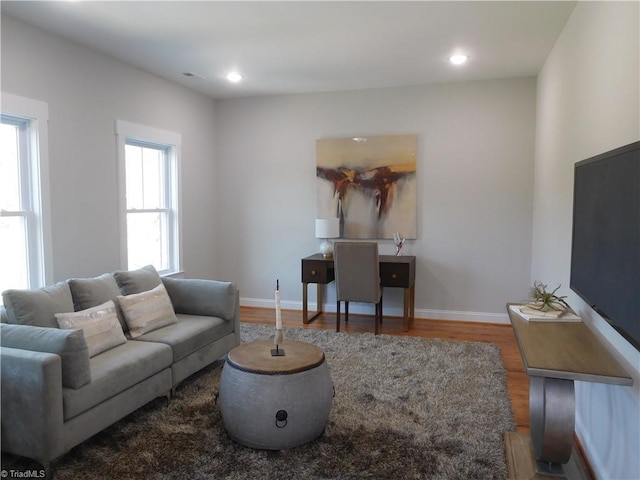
column 301, row 47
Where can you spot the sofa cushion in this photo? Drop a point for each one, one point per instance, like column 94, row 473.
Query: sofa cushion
column 91, row 292
column 147, row 311
column 137, row 281
column 191, row 333
column 100, row 325
column 114, row 371
column 38, row 307
column 70, row 345
column 202, row 297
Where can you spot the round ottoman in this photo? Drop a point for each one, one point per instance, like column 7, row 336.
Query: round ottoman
column 274, row 403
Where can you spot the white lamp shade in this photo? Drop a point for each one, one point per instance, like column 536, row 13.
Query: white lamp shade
column 327, row 228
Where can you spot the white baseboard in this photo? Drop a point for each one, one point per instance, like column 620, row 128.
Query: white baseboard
column 453, row 315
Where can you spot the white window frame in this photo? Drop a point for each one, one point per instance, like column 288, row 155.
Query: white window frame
column 173, row 141
column 35, row 184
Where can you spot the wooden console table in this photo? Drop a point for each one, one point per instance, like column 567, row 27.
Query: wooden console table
column 395, row 271
column 555, row 354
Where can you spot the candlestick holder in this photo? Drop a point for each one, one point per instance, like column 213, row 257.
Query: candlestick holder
column 279, row 338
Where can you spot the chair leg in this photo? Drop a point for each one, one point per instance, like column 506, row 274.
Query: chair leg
column 377, row 319
column 346, row 312
column 338, row 316
column 381, row 307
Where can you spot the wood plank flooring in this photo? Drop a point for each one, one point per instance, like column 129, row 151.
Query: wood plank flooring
column 498, row 334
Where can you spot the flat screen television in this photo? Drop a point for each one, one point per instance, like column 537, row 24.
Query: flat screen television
column 605, row 253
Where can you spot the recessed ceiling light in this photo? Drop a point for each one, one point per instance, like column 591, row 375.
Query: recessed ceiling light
column 458, row 59
column 234, row 77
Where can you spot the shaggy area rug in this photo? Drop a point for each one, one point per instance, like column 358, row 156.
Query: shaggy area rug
column 404, row 408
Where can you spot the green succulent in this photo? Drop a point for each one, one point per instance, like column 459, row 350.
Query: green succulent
column 545, row 301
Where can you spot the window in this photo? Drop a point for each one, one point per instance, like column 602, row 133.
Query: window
column 149, row 195
column 25, row 233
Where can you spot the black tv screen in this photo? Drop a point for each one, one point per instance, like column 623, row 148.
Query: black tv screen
column 605, row 253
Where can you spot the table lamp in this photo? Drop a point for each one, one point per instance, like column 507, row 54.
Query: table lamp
column 327, row 228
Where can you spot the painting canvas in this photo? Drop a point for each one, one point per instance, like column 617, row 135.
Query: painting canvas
column 369, row 183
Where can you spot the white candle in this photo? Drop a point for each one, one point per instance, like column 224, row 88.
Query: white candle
column 278, row 313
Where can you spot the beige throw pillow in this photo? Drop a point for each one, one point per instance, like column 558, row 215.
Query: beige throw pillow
column 100, row 325
column 147, row 311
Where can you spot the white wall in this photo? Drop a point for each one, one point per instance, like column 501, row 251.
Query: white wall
column 86, row 92
column 589, row 103
column 475, row 187
column 249, row 215
column 249, row 208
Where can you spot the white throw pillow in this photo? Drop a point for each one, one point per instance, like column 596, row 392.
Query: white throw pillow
column 100, row 324
column 147, row 311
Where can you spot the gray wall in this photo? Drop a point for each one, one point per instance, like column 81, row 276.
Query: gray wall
column 589, row 103
column 86, row 92
column 249, row 174
column 475, row 189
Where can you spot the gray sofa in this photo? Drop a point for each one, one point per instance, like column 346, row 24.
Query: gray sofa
column 57, row 391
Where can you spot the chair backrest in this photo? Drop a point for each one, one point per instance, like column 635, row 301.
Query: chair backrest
column 357, row 271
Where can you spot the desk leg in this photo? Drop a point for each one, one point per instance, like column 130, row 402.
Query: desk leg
column 406, row 309
column 305, row 303
column 412, row 307
column 319, row 292
column 552, row 418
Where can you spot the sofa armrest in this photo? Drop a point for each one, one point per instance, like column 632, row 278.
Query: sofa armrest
column 31, row 402
column 203, row 297
column 70, row 345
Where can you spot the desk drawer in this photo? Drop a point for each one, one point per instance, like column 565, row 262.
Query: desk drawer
column 316, row 271
column 395, row 275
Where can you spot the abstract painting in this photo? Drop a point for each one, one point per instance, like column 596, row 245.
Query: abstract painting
column 369, row 183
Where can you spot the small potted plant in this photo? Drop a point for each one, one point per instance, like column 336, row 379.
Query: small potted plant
column 544, row 301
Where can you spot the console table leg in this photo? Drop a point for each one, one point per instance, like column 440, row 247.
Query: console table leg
column 552, row 418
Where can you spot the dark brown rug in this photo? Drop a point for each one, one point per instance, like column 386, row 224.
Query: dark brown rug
column 405, row 408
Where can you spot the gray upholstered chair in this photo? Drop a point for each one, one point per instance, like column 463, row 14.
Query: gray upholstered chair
column 357, row 274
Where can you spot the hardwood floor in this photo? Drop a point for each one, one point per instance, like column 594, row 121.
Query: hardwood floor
column 500, row 335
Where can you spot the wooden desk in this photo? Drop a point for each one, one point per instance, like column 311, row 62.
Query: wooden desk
column 395, row 271
column 555, row 354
